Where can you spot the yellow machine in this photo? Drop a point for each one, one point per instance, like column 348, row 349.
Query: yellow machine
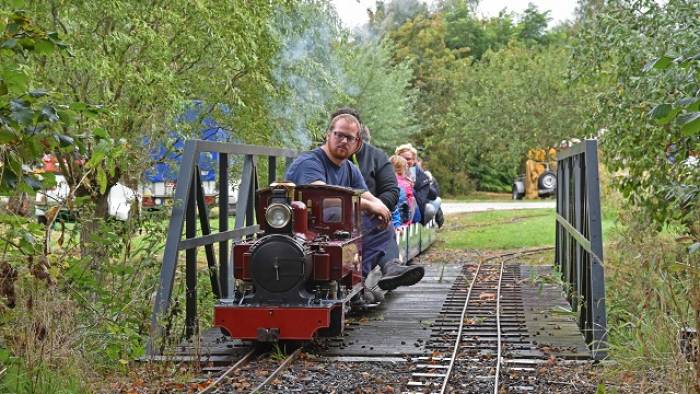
column 540, row 178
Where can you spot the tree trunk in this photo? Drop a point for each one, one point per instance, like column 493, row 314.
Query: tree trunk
column 92, row 246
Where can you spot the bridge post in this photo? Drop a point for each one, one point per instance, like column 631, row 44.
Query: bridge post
column 188, row 206
column 579, row 241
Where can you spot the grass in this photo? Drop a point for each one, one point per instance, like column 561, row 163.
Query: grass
column 495, row 230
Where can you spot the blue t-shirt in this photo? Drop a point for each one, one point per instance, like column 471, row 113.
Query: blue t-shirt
column 315, row 166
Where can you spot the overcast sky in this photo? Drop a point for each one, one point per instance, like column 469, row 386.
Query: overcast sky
column 354, row 12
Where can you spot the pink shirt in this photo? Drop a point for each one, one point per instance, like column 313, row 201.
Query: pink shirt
column 407, row 187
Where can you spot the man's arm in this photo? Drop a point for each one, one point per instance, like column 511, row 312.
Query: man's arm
column 305, row 171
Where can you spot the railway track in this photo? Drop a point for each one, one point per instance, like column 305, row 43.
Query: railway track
column 480, row 342
column 249, row 366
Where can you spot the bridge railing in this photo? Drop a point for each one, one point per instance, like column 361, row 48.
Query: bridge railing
column 188, row 206
column 579, row 241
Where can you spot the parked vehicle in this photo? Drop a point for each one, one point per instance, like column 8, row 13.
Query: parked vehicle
column 539, row 178
column 158, row 185
column 120, row 200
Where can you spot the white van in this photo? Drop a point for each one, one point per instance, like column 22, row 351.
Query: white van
column 119, row 200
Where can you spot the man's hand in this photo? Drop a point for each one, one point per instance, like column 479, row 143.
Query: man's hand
column 376, row 208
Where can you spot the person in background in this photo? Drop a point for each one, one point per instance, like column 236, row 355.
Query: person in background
column 426, row 198
column 435, row 189
column 399, row 216
column 406, row 185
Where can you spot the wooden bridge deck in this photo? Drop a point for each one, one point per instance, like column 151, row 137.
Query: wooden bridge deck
column 402, row 325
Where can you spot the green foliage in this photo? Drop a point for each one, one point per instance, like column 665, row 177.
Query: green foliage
column 307, row 71
column 32, row 120
column 144, row 63
column 499, row 81
column 512, row 100
column 532, row 26
column 381, row 92
column 646, row 71
column 319, row 69
column 394, row 13
column 640, row 57
column 648, row 302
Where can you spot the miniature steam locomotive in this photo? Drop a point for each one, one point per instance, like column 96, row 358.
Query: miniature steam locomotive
column 296, row 280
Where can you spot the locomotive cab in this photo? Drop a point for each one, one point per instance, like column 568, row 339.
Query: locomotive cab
column 296, row 277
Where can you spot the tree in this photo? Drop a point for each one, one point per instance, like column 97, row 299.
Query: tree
column 512, row 100
column 390, row 15
column 647, row 108
column 144, row 62
column 320, row 68
column 308, row 73
column 33, row 120
column 642, row 58
column 470, row 36
column 437, row 70
column 381, row 91
column 532, row 25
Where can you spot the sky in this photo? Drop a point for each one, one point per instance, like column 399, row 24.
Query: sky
column 353, row 13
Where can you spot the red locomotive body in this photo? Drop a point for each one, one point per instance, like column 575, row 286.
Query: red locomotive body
column 296, row 279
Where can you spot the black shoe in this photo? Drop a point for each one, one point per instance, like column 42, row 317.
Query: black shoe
column 398, row 275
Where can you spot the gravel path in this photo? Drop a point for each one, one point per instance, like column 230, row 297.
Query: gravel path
column 450, row 208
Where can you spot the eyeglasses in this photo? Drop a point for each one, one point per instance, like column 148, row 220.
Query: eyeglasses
column 342, row 136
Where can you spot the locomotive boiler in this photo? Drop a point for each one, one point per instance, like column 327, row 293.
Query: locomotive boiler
column 295, row 280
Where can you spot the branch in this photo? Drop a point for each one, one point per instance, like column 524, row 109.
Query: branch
column 18, row 247
column 56, row 19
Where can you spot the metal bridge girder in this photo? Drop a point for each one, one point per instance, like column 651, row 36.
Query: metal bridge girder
column 188, row 206
column 579, row 240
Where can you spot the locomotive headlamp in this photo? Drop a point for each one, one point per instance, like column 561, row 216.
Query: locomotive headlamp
column 278, row 215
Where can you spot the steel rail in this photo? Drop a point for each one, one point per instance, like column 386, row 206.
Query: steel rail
column 459, row 331
column 223, row 376
column 279, row 369
column 498, row 329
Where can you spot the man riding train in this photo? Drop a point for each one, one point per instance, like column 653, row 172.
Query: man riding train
column 330, row 164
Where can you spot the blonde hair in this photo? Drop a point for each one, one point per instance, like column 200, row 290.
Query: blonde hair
column 406, row 148
column 400, row 164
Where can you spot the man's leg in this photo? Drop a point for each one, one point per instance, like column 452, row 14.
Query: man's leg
column 374, row 243
column 391, row 253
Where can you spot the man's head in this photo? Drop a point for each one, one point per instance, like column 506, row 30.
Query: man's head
column 347, row 110
column 408, row 152
column 343, row 137
column 364, row 130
